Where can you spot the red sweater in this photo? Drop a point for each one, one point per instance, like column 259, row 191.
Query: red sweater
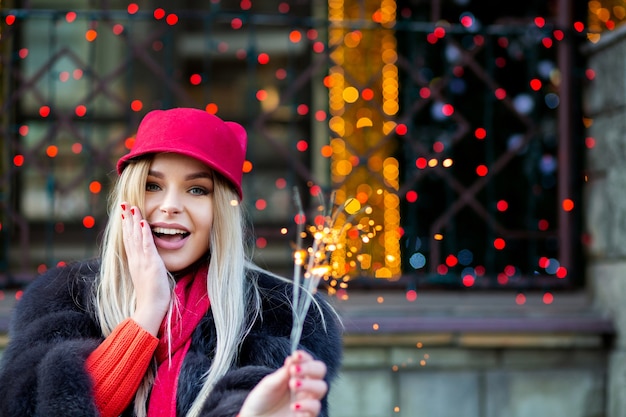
column 118, row 365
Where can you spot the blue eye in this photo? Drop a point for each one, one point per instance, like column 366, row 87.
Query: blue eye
column 199, row 191
column 152, row 187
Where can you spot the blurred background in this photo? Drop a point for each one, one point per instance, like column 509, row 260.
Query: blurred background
column 485, row 136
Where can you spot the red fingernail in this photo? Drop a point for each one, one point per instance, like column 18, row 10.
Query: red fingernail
column 298, row 369
column 132, row 211
column 297, row 406
column 141, row 223
column 123, row 206
column 298, row 383
column 122, row 216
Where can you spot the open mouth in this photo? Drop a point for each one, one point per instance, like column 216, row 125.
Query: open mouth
column 170, row 235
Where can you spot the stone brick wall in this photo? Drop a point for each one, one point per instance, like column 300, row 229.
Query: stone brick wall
column 605, row 199
column 471, row 383
column 472, row 355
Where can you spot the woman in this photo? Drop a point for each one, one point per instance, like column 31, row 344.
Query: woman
column 173, row 319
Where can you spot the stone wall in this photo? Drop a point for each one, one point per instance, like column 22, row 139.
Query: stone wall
column 472, row 355
column 457, row 382
column 605, row 198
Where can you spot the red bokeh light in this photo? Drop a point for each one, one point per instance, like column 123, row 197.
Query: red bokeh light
column 535, row 84
column 568, row 204
column 236, row 23
column 302, row 109
column 95, row 187
column 367, row 94
column 171, row 19
column 548, row 298
column 451, row 261
column 159, row 13
column 136, row 105
column 482, row 170
column 211, row 108
column 402, row 129
column 52, row 151
column 281, row 183
column 89, row 222
column 18, row 160
column 302, row 145
column 447, row 110
column 295, row 36
column 468, row 280
column 499, row 243
column 263, row 58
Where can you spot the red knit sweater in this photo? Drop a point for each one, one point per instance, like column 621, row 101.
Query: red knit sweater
column 118, row 365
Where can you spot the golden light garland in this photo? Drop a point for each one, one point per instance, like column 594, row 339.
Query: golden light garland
column 362, row 163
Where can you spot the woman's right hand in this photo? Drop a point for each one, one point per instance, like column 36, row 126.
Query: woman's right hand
column 147, row 270
column 294, row 390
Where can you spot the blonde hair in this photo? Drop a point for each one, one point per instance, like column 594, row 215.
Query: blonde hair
column 227, row 285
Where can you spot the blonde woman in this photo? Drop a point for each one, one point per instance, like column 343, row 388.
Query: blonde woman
column 173, row 319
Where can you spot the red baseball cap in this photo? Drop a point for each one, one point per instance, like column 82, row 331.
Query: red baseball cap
column 192, row 132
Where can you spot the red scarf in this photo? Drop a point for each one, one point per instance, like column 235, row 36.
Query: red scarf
column 193, row 303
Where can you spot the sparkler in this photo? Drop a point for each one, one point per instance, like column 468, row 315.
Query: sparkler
column 315, row 262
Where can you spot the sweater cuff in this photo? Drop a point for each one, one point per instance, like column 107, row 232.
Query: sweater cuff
column 118, row 365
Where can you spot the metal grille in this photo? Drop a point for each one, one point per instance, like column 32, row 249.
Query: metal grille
column 487, row 160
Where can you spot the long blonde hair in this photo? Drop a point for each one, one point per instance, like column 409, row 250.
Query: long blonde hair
column 226, row 283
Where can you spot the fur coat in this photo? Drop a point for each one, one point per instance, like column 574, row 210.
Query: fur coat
column 53, row 330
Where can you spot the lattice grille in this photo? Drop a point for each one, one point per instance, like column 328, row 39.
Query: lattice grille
column 475, row 135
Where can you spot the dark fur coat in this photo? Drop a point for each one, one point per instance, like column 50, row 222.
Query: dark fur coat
column 53, row 330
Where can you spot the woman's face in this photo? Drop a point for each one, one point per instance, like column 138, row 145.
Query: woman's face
column 179, row 208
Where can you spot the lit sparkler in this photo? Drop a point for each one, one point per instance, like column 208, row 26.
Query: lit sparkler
column 314, row 263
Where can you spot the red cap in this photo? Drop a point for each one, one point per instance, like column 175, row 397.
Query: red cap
column 192, row 132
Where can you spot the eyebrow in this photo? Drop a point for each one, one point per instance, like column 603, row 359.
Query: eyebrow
column 192, row 176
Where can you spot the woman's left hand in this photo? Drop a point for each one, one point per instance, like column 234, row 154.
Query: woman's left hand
column 272, row 397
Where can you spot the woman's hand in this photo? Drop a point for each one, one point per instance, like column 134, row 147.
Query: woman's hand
column 147, row 270
column 272, row 397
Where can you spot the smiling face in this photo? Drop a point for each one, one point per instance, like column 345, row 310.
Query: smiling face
column 179, row 208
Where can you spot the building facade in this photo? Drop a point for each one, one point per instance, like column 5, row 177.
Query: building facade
column 486, row 279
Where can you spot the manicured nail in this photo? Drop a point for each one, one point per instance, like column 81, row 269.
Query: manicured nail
column 141, row 223
column 298, row 369
column 297, row 406
column 122, row 216
column 132, row 211
column 123, row 206
column 298, row 383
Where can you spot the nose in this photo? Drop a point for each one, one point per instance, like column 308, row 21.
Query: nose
column 171, row 203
